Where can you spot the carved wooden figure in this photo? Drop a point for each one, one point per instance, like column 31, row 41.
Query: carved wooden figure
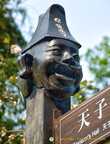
column 50, row 72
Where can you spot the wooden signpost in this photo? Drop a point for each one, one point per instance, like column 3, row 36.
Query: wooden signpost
column 50, row 73
column 89, row 123
column 39, row 121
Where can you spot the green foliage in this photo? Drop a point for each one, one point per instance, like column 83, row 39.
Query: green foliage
column 11, row 107
column 98, row 60
column 107, row 142
column 87, row 89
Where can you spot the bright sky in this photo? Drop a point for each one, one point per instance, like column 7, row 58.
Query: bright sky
column 88, row 20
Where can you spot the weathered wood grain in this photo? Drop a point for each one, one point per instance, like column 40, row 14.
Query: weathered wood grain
column 39, row 121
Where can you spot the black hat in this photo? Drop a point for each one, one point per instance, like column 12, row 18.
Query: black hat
column 52, row 24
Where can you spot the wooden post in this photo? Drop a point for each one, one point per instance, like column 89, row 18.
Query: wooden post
column 39, row 121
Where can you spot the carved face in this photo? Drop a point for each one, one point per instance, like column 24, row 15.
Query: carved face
column 56, row 68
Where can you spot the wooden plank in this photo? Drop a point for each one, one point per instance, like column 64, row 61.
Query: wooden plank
column 89, row 123
column 39, row 121
column 34, row 119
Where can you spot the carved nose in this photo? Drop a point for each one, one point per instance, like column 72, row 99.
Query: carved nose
column 68, row 59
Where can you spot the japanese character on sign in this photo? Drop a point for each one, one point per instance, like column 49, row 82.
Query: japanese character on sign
column 104, row 126
column 83, row 121
column 100, row 107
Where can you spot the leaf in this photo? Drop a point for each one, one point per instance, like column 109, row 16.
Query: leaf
column 90, row 87
column 83, row 82
column 76, row 95
column 6, row 40
column 13, row 79
column 91, row 81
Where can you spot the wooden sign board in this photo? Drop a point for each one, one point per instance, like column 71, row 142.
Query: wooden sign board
column 89, row 123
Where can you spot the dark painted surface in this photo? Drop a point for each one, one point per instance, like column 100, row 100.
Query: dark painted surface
column 51, row 60
column 39, row 122
column 50, row 72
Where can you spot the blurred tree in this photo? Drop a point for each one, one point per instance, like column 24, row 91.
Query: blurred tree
column 98, row 59
column 87, row 89
column 11, row 107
